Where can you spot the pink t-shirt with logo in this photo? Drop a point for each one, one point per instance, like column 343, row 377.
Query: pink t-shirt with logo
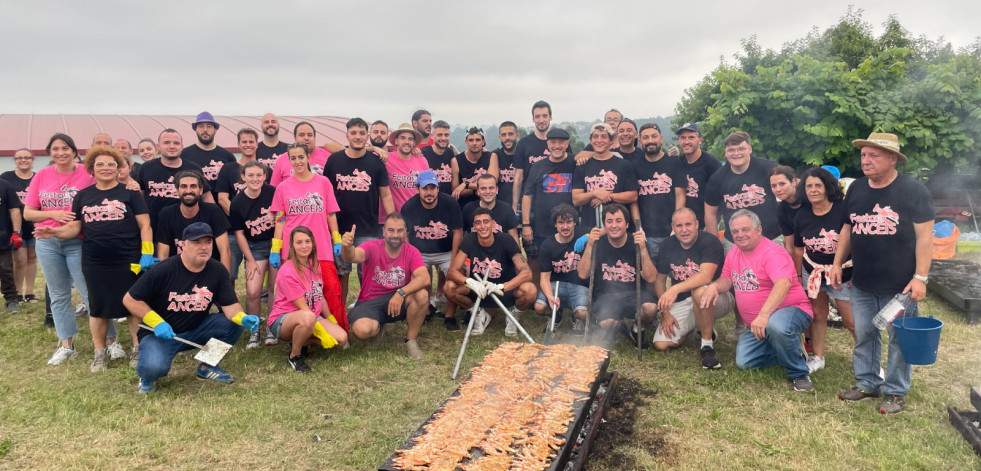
column 383, row 274
column 52, row 191
column 753, row 274
column 289, row 286
column 402, row 180
column 284, row 169
column 307, row 204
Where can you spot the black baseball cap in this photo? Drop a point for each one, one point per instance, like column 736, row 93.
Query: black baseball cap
column 197, row 230
column 689, row 127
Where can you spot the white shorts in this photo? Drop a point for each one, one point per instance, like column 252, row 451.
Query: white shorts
column 441, row 260
column 683, row 312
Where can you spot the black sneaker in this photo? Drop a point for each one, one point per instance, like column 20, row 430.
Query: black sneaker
column 433, row 312
column 802, row 384
column 451, row 324
column 709, row 360
column 632, row 334
column 297, row 363
column 49, row 320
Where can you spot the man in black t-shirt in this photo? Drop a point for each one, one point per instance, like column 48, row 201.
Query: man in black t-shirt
column 696, row 166
column 509, row 277
column 435, row 226
column 615, row 273
column 175, row 298
column 471, row 164
column 627, row 143
column 205, row 152
column 692, row 259
column 439, row 156
column 888, row 230
column 270, row 147
column 504, row 219
column 661, row 190
column 230, row 183
column 508, row 192
column 548, row 185
column 560, row 262
column 174, row 219
column 744, row 183
column 533, row 147
column 360, row 182
column 156, row 177
column 603, row 179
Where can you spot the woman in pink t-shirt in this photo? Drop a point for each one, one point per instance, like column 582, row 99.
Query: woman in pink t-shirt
column 299, row 314
column 307, row 199
column 48, row 203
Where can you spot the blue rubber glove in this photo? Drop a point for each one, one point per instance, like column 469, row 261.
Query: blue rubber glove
column 275, row 259
column 337, row 249
column 147, row 261
column 251, row 322
column 581, row 243
column 163, row 330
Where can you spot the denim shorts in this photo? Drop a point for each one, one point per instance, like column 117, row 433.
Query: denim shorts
column 571, row 296
column 278, row 324
column 30, row 242
column 260, row 249
column 843, row 294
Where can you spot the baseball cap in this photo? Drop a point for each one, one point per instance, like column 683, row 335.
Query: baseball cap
column 689, row 127
column 427, row 177
column 197, row 230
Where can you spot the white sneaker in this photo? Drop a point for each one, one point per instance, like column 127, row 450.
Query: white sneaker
column 80, row 310
column 440, row 299
column 815, row 363
column 62, row 354
column 253, row 340
column 481, row 322
column 511, row 329
column 271, row 339
column 99, row 362
column 115, row 351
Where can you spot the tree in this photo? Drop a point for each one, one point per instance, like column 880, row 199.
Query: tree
column 804, row 105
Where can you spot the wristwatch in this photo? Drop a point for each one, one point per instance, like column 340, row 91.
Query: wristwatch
column 401, row 292
column 921, row 278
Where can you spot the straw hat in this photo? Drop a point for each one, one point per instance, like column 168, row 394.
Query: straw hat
column 882, row 140
column 405, row 127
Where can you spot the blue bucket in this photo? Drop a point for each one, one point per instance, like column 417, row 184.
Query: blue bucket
column 919, row 338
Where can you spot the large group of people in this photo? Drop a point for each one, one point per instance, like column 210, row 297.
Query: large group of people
column 623, row 235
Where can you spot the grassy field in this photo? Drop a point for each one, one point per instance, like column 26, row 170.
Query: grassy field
column 359, row 404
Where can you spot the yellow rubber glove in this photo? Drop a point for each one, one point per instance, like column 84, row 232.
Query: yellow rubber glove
column 335, row 237
column 152, row 319
column 325, row 339
column 277, row 246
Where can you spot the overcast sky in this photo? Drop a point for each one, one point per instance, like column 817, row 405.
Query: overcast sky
column 466, row 61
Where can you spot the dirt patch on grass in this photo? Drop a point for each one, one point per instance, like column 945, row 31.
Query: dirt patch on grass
column 618, row 439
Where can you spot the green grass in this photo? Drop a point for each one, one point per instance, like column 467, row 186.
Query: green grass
column 363, row 403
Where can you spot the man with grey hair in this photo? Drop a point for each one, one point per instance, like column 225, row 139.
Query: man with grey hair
column 770, row 298
column 888, row 231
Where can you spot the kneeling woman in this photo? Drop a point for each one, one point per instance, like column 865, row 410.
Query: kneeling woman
column 299, row 314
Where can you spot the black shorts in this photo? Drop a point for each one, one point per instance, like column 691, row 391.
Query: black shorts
column 619, row 306
column 507, row 300
column 376, row 309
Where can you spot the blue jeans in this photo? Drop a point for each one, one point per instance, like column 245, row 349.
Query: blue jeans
column 236, row 255
column 61, row 264
column 867, row 356
column 156, row 354
column 571, row 296
column 781, row 346
column 654, row 246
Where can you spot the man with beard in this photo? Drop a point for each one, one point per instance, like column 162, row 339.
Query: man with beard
column 471, row 164
column 603, row 179
column 692, row 259
column 508, row 275
column 270, row 147
column 770, row 298
column 627, row 141
column 404, row 165
column 435, row 227
column 615, row 271
column 508, row 192
column 360, row 182
column 533, row 147
column 230, row 183
column 696, row 166
column 205, row 152
column 395, row 285
column 439, row 155
column 175, row 218
column 422, row 122
column 504, row 218
column 156, row 177
column 379, row 135
column 661, row 191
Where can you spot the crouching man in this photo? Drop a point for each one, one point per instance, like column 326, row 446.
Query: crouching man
column 174, row 299
column 770, row 299
column 394, row 287
column 693, row 259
